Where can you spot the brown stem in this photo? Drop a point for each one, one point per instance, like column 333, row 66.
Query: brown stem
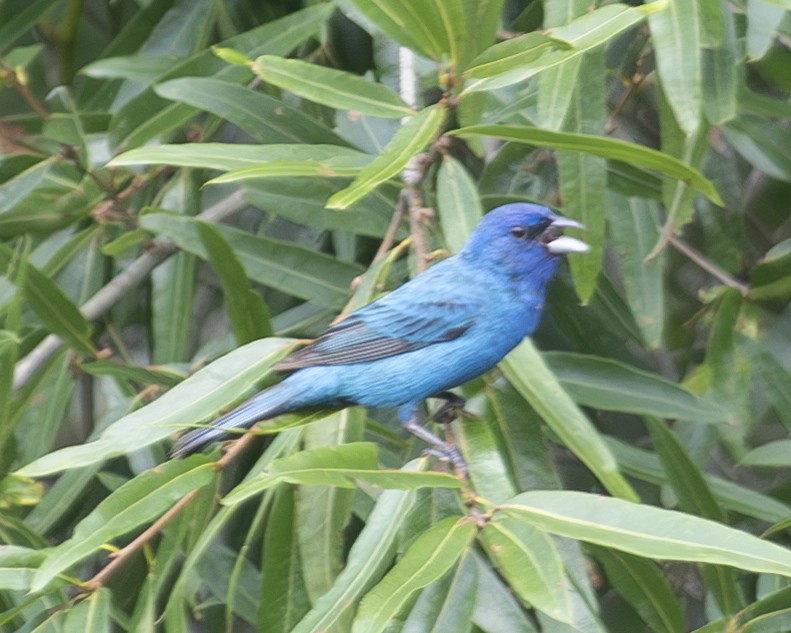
column 122, row 555
column 32, row 100
column 709, row 266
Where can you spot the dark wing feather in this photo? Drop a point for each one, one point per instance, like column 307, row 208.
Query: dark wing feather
column 387, row 328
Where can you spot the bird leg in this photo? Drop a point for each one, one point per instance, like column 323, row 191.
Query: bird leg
column 438, row 447
column 450, row 410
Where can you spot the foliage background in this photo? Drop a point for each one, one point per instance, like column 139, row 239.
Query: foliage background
column 664, row 378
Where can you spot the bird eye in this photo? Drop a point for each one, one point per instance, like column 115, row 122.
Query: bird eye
column 519, row 232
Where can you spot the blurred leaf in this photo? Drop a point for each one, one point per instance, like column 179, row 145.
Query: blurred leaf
column 446, row 605
column 15, row 23
column 147, row 116
column 610, row 385
column 56, row 311
column 45, row 197
column 334, row 88
column 771, row 455
column 154, row 375
column 302, row 201
column 532, row 378
column 695, row 497
column 582, row 177
column 504, row 65
column 306, row 159
column 633, row 230
column 610, row 148
column 266, row 119
column 761, row 145
column 19, row 491
column 17, row 566
column 513, row 54
column 676, row 34
column 457, row 203
column 137, row 502
column 436, row 30
column 137, row 67
column 369, row 557
column 248, row 312
column 528, row 560
column 763, row 19
column 287, row 601
column 344, row 465
column 645, row 465
column 293, row 269
column 429, row 558
column 646, row 530
column 644, row 587
column 410, row 139
column 194, row 400
column 91, row 614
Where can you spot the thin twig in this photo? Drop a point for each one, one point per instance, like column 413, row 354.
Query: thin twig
column 21, row 87
column 709, row 266
column 98, row 305
column 122, row 555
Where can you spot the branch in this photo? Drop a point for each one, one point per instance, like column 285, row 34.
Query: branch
column 101, row 303
column 122, row 555
column 709, row 266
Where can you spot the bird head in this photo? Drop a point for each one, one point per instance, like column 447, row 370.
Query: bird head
column 521, row 240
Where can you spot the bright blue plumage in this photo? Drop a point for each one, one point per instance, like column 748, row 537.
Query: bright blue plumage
column 450, row 324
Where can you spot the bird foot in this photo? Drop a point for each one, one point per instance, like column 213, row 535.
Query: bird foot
column 451, row 410
column 438, row 447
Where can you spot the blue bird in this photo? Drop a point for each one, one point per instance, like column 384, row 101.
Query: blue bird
column 446, row 326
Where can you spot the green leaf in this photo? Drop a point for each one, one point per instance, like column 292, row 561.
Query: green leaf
column 248, row 312
column 155, row 375
column 16, row 22
column 513, row 54
column 266, row 119
column 647, row 531
column 644, row 587
column 527, row 371
column 282, row 582
column 410, row 139
column 646, row 466
column 295, row 270
column 573, row 39
column 370, row 555
column 675, row 35
column 429, row 558
column 634, row 229
column 231, row 157
column 334, row 88
column 56, row 311
column 92, row 614
column 17, row 566
column 147, row 116
column 772, row 455
column 457, row 203
column 607, row 384
column 528, row 560
column 610, row 148
column 136, row 503
column 437, row 30
column 344, row 465
column 695, row 496
column 196, row 399
column 582, row 177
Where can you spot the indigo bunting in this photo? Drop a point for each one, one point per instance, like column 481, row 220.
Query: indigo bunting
column 444, row 327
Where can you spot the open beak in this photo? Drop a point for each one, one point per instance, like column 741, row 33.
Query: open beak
column 559, row 244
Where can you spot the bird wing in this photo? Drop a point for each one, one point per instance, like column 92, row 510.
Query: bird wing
column 401, row 322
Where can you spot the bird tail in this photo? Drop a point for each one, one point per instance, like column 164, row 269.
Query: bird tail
column 271, row 402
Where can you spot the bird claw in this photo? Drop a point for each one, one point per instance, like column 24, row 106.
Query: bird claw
column 437, row 447
column 451, row 410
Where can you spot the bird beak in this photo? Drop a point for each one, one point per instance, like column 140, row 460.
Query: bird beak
column 558, row 244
